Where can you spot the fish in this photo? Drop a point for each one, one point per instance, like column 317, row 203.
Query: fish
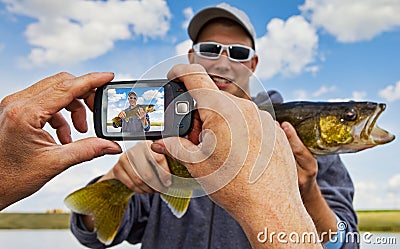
column 107, row 200
column 117, row 121
column 334, row 127
column 324, row 127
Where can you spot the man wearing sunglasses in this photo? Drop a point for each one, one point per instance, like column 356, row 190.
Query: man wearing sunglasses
column 140, row 122
column 224, row 45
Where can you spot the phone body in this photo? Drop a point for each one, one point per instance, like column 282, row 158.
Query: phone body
column 165, row 105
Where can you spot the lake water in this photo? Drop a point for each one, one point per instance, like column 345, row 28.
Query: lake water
column 44, row 239
column 63, row 239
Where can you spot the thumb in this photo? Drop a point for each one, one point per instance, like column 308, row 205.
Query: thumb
column 85, row 150
column 295, row 143
column 183, row 150
column 178, row 148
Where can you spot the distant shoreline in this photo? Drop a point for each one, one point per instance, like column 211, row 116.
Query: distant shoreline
column 369, row 220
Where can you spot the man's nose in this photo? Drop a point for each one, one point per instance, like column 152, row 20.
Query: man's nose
column 224, row 53
column 224, row 58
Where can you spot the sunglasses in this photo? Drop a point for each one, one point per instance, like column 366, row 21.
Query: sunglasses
column 132, row 97
column 213, row 51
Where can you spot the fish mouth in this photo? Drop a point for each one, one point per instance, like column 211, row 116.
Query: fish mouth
column 373, row 133
column 220, row 81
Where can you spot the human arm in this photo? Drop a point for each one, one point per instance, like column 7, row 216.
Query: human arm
column 337, row 189
column 233, row 143
column 144, row 118
column 327, row 196
column 307, row 170
column 28, row 153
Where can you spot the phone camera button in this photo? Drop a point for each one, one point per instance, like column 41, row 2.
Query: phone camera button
column 182, row 107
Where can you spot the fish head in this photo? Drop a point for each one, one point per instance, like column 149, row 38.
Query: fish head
column 345, row 127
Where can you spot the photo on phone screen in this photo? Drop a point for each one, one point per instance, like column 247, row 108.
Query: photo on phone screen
column 132, row 110
column 145, row 109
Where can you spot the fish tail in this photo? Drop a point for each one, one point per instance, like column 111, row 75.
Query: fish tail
column 177, row 200
column 106, row 201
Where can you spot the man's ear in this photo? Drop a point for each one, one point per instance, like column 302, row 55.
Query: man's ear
column 191, row 55
column 254, row 63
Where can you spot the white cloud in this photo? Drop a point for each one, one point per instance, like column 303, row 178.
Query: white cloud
column 355, row 20
column 114, row 97
column 322, row 90
column 123, row 76
column 152, row 94
column 76, row 30
column 300, row 94
column 303, row 94
column 370, row 195
column 183, row 47
column 394, row 182
column 391, row 93
column 289, row 47
column 356, row 96
column 188, row 13
column 359, row 95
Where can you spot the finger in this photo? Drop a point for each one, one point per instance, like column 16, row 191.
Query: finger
column 132, row 181
column 139, row 114
column 162, row 168
column 194, row 135
column 89, row 99
column 78, row 115
column 197, row 82
column 82, row 150
column 120, row 173
column 39, row 87
column 197, row 74
column 300, row 151
column 141, row 167
column 63, row 93
column 184, row 151
column 48, row 82
column 62, row 128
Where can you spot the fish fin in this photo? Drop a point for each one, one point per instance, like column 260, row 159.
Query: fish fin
column 106, row 201
column 177, row 200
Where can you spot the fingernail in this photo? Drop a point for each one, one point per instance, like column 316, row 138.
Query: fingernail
column 157, row 148
column 108, row 73
column 167, row 183
column 112, row 150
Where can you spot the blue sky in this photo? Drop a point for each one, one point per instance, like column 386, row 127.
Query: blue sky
column 308, row 49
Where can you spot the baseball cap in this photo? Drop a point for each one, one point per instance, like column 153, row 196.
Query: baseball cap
column 221, row 10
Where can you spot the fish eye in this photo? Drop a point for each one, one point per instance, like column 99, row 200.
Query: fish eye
column 350, row 115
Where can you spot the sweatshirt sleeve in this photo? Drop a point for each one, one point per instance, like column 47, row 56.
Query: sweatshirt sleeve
column 338, row 190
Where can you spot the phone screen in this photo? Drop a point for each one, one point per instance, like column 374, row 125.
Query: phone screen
column 146, row 109
column 133, row 110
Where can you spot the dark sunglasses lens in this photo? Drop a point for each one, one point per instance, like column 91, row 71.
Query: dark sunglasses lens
column 210, row 50
column 239, row 53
